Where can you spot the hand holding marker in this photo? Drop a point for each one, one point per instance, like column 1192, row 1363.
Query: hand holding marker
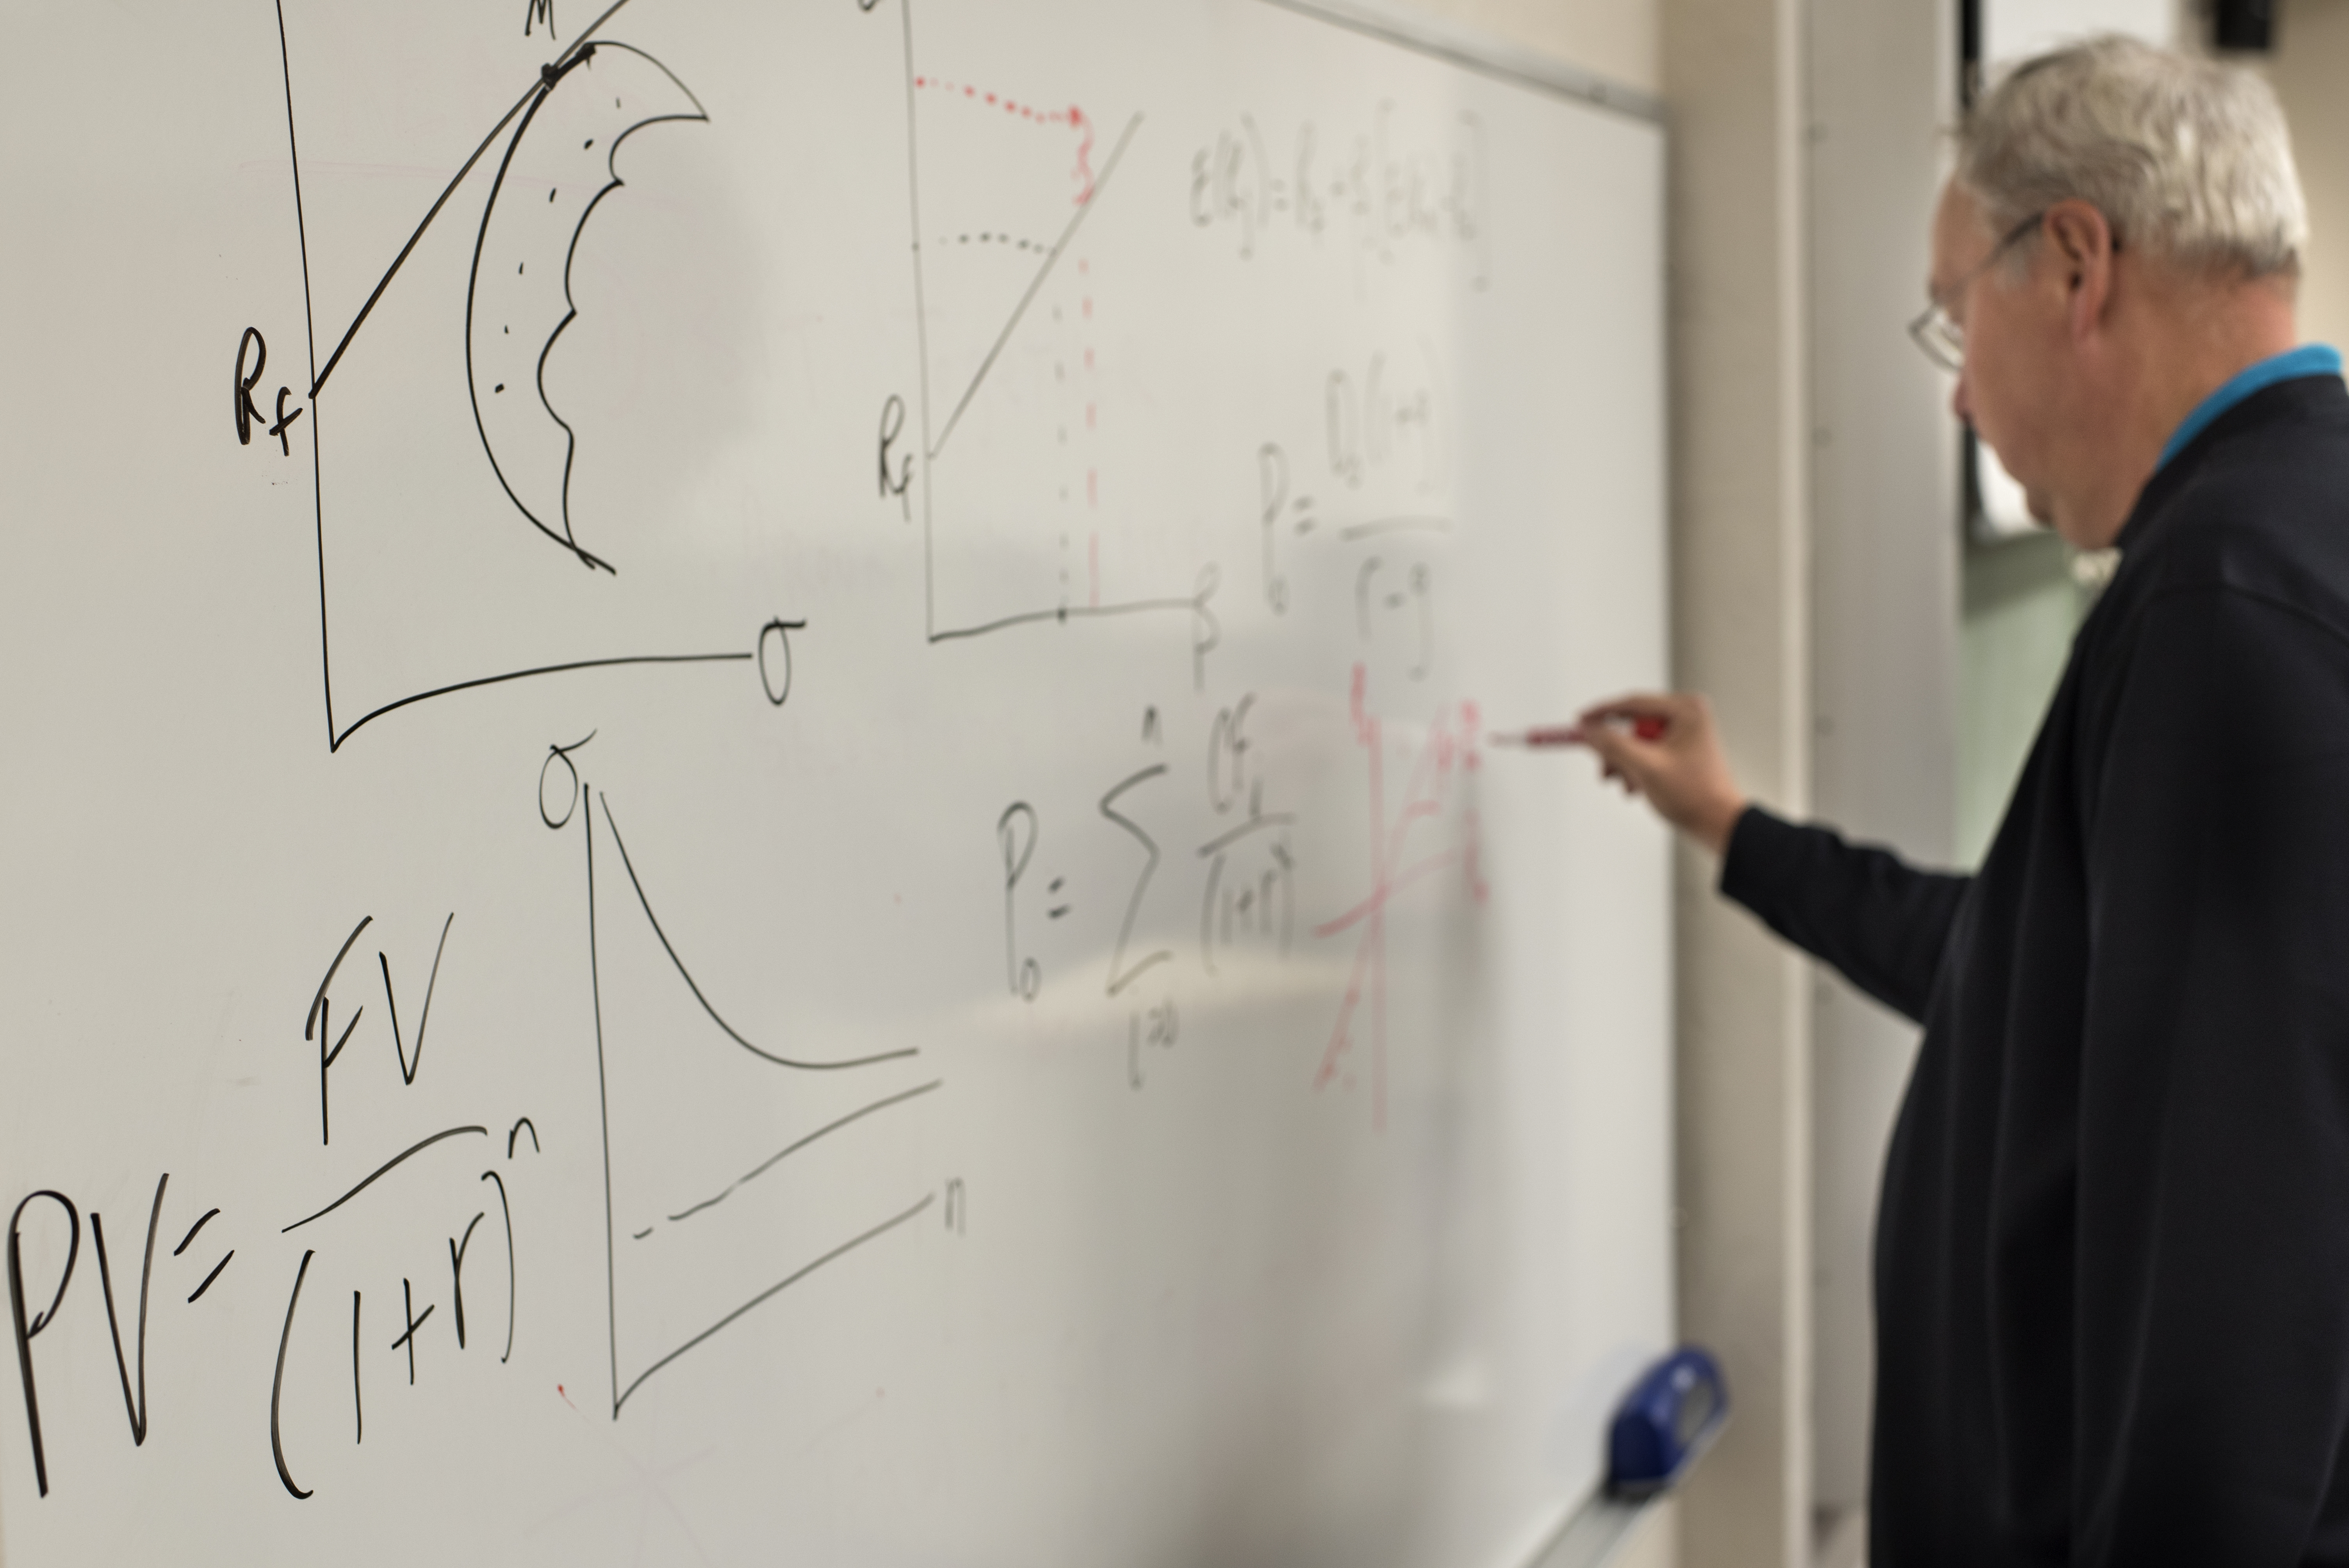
column 1646, row 728
column 1661, row 746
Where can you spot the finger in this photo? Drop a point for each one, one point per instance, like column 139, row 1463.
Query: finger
column 1610, row 746
column 1666, row 706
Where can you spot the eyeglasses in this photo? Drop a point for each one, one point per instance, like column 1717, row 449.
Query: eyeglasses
column 1939, row 336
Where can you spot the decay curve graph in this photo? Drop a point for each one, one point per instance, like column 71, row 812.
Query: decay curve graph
column 694, row 1246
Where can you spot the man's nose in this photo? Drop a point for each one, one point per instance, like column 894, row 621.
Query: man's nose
column 1962, row 401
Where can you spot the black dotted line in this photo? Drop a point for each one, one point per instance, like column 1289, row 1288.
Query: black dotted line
column 996, row 240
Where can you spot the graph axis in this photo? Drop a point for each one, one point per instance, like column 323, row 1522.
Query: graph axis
column 622, row 1392
column 934, row 439
column 338, row 734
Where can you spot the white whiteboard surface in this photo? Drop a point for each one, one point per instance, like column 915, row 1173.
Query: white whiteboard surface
column 977, row 997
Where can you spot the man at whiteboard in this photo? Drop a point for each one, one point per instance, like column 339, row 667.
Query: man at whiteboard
column 2112, row 1272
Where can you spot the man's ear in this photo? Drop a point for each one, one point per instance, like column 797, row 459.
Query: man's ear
column 2083, row 244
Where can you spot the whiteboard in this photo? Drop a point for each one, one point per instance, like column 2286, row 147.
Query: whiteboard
column 749, row 807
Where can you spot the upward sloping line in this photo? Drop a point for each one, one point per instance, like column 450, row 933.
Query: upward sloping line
column 884, row 1228
column 795, row 1145
column 1037, row 283
column 732, row 1033
column 547, row 74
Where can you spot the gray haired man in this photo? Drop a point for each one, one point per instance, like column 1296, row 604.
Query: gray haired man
column 2111, row 1268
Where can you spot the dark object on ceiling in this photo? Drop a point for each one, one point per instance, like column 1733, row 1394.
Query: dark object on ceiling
column 2245, row 24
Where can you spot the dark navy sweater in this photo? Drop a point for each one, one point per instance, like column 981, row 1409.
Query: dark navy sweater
column 2112, row 1263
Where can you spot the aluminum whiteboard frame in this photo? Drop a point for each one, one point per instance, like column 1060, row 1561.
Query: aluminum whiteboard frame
column 1479, row 51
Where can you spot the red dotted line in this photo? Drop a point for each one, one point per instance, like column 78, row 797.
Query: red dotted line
column 1092, row 407
column 1072, row 115
column 1074, row 118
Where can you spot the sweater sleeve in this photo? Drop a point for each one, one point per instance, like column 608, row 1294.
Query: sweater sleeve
column 2212, row 1185
column 1880, row 922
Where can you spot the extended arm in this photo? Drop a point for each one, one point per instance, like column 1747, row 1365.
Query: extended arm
column 1879, row 920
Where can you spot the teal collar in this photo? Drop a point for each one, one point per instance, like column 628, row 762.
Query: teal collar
column 2309, row 359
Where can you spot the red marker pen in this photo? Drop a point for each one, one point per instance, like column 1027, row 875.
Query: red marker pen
column 1646, row 725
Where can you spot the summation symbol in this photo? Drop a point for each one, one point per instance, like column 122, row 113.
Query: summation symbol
column 1122, row 974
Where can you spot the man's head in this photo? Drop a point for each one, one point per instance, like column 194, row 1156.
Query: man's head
column 2121, row 236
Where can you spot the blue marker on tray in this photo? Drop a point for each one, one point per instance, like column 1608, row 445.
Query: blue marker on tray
column 1668, row 1419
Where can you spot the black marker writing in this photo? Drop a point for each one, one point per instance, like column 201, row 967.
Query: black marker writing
column 407, row 1336
column 1272, row 484
column 896, row 468
column 1344, row 417
column 562, row 754
column 284, row 442
column 384, row 1169
column 506, row 1210
column 1419, row 590
column 775, row 668
column 407, row 1066
column 203, row 1220
column 197, row 1294
column 1228, row 750
column 241, row 382
column 277, row 1383
column 1121, row 976
column 317, row 1022
column 1163, row 1026
column 457, row 1276
column 1015, row 834
column 1264, row 905
column 1206, row 630
column 27, row 1329
column 136, row 1410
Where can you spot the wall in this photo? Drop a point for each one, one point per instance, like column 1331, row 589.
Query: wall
column 2311, row 57
column 1733, row 77
column 2020, row 608
column 1614, row 38
column 1884, row 611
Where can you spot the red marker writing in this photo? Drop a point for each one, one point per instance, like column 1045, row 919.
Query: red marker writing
column 1646, row 725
